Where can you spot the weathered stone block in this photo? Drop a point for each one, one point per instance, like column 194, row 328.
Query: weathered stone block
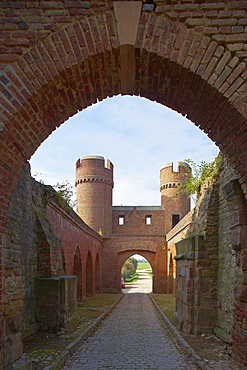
column 244, row 259
column 238, row 237
column 226, row 337
column 56, row 300
column 188, row 245
column 13, row 348
column 22, row 363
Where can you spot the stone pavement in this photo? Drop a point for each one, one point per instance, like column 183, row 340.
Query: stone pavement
column 132, row 337
column 144, row 284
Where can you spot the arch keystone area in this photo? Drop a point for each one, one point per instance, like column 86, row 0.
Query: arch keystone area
column 127, row 16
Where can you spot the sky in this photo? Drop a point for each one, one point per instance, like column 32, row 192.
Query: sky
column 137, row 135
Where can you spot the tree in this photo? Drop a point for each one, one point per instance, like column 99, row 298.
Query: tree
column 202, row 172
column 65, row 193
column 129, row 268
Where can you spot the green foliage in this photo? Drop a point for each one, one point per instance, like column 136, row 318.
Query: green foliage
column 202, row 172
column 167, row 304
column 132, row 278
column 64, row 193
column 133, row 261
column 129, row 268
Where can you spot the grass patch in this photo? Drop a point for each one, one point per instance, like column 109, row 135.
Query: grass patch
column 143, row 265
column 43, row 348
column 132, row 278
column 93, row 307
column 167, row 304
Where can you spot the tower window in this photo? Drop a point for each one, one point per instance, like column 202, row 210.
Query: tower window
column 148, row 220
column 120, row 220
column 175, row 219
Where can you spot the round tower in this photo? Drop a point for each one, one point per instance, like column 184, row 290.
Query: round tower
column 176, row 206
column 94, row 184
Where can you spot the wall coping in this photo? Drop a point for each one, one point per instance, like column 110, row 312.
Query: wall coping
column 74, row 219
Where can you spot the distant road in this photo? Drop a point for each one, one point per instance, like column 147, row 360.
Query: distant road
column 142, row 285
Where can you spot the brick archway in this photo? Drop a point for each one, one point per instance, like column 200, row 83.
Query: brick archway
column 172, row 62
column 148, row 255
column 189, row 57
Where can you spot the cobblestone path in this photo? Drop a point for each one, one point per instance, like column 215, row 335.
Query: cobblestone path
column 132, row 337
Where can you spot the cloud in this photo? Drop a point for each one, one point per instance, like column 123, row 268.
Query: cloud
column 137, row 135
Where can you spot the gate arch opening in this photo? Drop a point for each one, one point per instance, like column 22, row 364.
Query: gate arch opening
column 148, row 256
column 143, row 277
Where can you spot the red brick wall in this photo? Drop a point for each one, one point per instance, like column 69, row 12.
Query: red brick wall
column 135, row 220
column 75, row 233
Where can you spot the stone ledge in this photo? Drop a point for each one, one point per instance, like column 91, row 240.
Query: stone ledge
column 186, row 256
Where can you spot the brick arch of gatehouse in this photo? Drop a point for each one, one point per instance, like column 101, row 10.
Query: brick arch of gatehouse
column 189, row 56
column 150, row 256
column 157, row 260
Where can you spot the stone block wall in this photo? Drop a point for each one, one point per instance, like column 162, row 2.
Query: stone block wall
column 31, row 249
column 238, row 232
column 227, row 267
column 56, row 300
column 211, row 280
column 211, row 220
column 19, row 271
column 37, row 293
column 196, row 310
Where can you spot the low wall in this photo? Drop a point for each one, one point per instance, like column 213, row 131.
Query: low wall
column 56, row 303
